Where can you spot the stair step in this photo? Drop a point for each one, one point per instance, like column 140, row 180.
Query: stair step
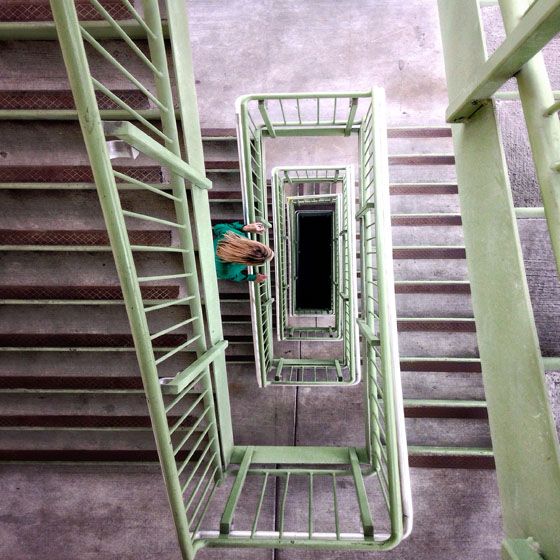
column 72, row 173
column 451, row 457
column 233, row 195
column 434, row 219
column 41, row 11
column 437, row 408
column 104, row 295
column 439, row 324
column 423, row 188
column 50, row 410
column 68, row 383
column 27, row 237
column 462, row 458
column 70, row 294
column 428, row 252
column 419, row 132
column 421, row 159
column 432, row 286
column 36, row 100
column 402, row 252
column 440, row 364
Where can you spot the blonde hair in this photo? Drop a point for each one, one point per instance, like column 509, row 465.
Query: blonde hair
column 235, row 248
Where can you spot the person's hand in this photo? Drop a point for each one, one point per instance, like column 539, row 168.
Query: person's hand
column 260, row 278
column 255, row 227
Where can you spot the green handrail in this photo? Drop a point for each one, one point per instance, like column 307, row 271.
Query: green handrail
column 189, row 410
column 286, row 182
column 524, row 439
column 185, row 425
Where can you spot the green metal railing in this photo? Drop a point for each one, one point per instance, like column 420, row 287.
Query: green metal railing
column 337, row 186
column 289, row 186
column 287, row 307
column 308, row 114
column 277, row 115
column 296, row 206
column 524, row 438
column 205, row 473
column 192, row 445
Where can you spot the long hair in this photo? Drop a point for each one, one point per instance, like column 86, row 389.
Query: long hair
column 235, row 248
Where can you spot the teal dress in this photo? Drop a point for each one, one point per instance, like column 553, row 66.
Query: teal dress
column 226, row 270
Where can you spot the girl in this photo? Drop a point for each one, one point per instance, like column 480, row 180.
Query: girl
column 234, row 251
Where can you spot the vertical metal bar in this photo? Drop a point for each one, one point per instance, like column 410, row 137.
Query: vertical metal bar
column 351, row 116
column 68, row 29
column 259, row 506
column 182, row 62
column 310, row 507
column 536, row 96
column 335, row 508
column 282, row 510
column 229, row 509
column 361, row 494
column 266, row 118
column 527, row 466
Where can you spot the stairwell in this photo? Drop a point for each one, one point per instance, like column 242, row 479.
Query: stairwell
column 70, row 393
column 66, row 386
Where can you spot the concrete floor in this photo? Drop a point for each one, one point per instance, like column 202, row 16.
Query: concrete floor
column 111, row 512
column 241, row 46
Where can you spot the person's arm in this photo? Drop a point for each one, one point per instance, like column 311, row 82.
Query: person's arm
column 220, row 229
column 240, row 275
column 237, row 225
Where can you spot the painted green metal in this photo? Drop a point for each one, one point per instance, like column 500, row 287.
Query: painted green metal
column 291, row 114
column 285, row 306
column 190, row 413
column 528, row 467
column 329, row 113
column 47, row 30
column 288, row 184
column 532, row 30
column 528, row 31
column 70, row 38
column 132, row 135
column 520, row 549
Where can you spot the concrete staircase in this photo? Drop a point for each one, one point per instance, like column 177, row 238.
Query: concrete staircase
column 70, row 389
column 69, row 394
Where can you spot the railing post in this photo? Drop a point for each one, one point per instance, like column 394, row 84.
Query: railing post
column 188, row 109
column 524, row 437
column 537, row 97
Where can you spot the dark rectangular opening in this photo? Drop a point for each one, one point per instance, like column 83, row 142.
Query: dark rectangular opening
column 314, row 262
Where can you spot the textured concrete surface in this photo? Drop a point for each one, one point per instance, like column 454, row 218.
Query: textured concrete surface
column 241, row 46
column 109, row 512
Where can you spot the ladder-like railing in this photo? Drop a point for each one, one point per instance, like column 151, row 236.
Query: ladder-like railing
column 184, row 376
column 524, row 438
column 281, row 115
column 182, row 395
column 336, row 184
